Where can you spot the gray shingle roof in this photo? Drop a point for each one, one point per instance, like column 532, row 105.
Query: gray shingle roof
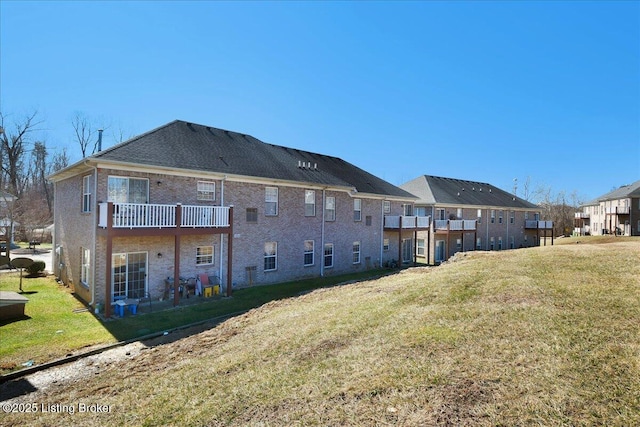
column 184, row 145
column 434, row 190
column 623, row 192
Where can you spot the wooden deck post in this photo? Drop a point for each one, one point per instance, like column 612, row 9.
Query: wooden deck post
column 108, row 266
column 230, row 253
column 176, row 256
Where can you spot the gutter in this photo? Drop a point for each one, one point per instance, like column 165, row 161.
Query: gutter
column 95, row 226
column 324, row 201
column 381, row 232
column 222, row 234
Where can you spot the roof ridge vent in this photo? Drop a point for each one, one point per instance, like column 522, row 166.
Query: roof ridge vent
column 303, row 164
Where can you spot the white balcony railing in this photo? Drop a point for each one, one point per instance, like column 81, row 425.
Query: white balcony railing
column 581, row 215
column 542, row 225
column 581, row 231
column 138, row 215
column 455, row 224
column 410, row 222
column 617, row 210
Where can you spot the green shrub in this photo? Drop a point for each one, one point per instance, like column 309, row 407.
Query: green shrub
column 36, row 268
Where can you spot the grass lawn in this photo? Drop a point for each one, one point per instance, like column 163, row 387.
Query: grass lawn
column 538, row 336
column 58, row 324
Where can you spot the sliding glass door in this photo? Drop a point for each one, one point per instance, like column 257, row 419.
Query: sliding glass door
column 129, row 275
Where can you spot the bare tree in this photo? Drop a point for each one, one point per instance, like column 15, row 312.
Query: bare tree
column 84, row 132
column 88, row 135
column 527, row 189
column 38, row 172
column 557, row 208
column 119, row 135
column 12, row 151
column 59, row 161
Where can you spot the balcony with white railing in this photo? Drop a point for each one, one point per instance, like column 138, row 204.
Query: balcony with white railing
column 147, row 215
column 581, row 231
column 539, row 225
column 408, row 222
column 455, row 224
column 581, row 215
column 617, row 210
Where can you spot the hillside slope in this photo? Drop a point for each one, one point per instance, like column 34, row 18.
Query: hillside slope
column 544, row 336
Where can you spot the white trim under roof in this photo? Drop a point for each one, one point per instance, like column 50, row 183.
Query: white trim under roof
column 83, row 166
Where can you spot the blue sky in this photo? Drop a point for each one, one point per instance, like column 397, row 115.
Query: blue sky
column 485, row 91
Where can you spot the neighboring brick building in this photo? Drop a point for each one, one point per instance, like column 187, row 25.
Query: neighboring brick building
column 185, row 200
column 615, row 212
column 470, row 215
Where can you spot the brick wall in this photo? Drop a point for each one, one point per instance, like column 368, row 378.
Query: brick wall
column 73, row 230
column 289, row 229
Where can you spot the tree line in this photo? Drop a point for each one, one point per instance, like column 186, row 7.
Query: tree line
column 26, row 197
column 26, row 162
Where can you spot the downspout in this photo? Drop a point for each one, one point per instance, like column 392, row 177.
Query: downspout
column 486, row 242
column 95, row 226
column 221, row 234
column 508, row 222
column 322, row 234
column 381, row 233
column 432, row 230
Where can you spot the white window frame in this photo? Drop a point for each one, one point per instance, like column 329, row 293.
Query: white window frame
column 479, row 243
column 357, row 210
column 271, row 201
column 309, row 250
column 205, row 255
column 309, row 203
column 512, row 217
column 125, row 274
column 385, row 244
column 330, row 208
column 356, row 252
column 86, row 193
column 386, row 206
column 270, row 254
column 328, row 254
column 113, row 196
column 479, row 216
column 206, row 190
column 493, row 216
column 85, row 266
column 420, row 247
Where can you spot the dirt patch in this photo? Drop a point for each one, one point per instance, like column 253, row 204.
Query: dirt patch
column 460, row 400
column 42, row 382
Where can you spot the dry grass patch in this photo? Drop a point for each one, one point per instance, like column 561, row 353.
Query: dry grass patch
column 542, row 336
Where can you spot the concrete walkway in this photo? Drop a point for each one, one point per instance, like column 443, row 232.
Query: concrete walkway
column 40, row 255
